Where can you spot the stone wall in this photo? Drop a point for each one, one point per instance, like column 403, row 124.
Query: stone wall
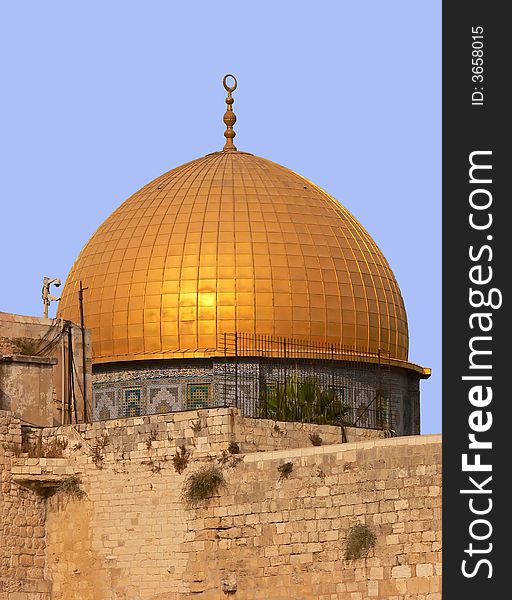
column 258, row 435
column 22, row 528
column 208, row 430
column 267, row 536
column 277, row 538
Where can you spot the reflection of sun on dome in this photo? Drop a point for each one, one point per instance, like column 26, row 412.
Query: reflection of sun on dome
column 228, row 243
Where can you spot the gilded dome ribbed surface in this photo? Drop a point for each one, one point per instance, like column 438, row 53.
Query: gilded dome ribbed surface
column 232, row 242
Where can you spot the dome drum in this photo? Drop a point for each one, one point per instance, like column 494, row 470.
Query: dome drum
column 354, row 394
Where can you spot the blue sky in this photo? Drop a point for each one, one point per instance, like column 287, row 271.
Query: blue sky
column 101, row 97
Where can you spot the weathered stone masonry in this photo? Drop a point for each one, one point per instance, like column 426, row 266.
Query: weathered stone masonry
column 264, row 536
column 22, row 529
column 131, row 389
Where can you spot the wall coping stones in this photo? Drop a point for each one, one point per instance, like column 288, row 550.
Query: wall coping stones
column 416, row 440
column 13, row 318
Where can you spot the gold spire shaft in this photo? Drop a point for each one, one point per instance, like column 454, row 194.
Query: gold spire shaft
column 229, row 115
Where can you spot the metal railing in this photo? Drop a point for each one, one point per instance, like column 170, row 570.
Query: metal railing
column 294, row 380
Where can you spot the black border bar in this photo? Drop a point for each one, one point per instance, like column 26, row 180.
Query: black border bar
column 477, row 259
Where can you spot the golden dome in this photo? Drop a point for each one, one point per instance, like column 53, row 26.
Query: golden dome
column 232, row 242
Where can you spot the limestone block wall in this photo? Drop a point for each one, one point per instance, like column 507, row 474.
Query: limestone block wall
column 22, row 525
column 285, row 538
column 262, row 536
column 201, row 431
column 257, row 435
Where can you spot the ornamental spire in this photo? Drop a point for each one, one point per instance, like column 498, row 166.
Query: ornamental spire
column 229, row 115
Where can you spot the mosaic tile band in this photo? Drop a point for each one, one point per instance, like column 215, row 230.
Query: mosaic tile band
column 151, row 389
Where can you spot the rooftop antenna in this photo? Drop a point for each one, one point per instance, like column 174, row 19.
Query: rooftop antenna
column 45, row 293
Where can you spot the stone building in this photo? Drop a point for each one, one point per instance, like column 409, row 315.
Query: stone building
column 229, row 280
column 42, row 375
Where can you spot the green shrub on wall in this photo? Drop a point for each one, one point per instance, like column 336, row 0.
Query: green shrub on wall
column 203, row 485
column 360, row 539
column 70, row 486
column 285, row 470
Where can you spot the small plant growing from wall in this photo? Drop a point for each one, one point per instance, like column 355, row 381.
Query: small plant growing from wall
column 71, row 487
column 226, row 459
column 154, row 466
column 315, row 439
column 180, row 459
column 319, row 472
column 97, row 457
column 360, row 539
column 203, row 485
column 97, row 450
column 102, row 442
column 196, row 426
column 278, row 429
column 233, row 448
column 285, row 470
column 152, row 435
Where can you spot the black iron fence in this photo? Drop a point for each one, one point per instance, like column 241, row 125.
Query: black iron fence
column 293, row 380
